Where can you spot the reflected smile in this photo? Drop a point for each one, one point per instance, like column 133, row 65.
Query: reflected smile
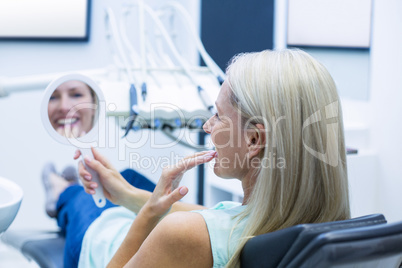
column 67, row 121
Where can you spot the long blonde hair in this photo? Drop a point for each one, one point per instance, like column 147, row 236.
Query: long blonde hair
column 296, row 100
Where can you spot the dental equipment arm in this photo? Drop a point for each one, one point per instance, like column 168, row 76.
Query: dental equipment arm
column 9, row 85
column 201, row 49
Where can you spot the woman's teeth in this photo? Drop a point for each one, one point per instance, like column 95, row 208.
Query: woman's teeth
column 67, row 121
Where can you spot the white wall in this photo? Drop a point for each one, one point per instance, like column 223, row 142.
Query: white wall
column 372, row 114
column 385, row 104
column 25, row 146
column 375, row 124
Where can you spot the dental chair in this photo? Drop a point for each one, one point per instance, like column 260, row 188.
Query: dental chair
column 269, row 250
column 44, row 248
column 369, row 246
column 280, row 248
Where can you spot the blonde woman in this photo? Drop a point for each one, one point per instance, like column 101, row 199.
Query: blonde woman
column 278, row 130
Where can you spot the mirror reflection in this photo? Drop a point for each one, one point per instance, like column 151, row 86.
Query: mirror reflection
column 72, row 109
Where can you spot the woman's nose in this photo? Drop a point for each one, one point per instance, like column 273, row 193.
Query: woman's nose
column 65, row 104
column 207, row 126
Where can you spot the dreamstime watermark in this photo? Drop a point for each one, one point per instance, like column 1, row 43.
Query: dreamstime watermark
column 107, row 134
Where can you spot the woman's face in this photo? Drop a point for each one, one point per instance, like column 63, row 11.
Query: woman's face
column 68, row 109
column 228, row 137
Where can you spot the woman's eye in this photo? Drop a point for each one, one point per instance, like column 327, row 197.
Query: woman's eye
column 217, row 115
column 77, row 95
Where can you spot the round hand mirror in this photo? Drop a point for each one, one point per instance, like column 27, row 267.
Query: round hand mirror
column 72, row 108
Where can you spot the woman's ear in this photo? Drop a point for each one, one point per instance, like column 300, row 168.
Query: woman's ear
column 256, row 140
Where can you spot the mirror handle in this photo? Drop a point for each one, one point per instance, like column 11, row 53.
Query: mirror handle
column 99, row 196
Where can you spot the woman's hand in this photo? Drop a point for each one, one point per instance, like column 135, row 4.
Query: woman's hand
column 166, row 192
column 115, row 187
column 69, row 132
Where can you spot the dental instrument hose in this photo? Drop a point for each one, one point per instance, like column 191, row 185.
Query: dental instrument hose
column 134, row 111
column 206, row 100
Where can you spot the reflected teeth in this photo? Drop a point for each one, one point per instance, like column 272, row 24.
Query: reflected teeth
column 66, row 121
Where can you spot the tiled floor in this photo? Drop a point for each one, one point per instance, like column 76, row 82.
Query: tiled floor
column 11, row 258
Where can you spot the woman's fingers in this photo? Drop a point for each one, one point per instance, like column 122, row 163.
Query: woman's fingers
column 68, row 132
column 60, row 131
column 199, row 154
column 77, row 154
column 195, row 160
column 176, row 195
column 103, row 160
column 86, row 179
column 167, row 191
column 83, row 172
column 74, row 132
column 95, row 165
column 176, row 172
column 161, row 205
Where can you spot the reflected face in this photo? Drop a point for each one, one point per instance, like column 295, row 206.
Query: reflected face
column 71, row 109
